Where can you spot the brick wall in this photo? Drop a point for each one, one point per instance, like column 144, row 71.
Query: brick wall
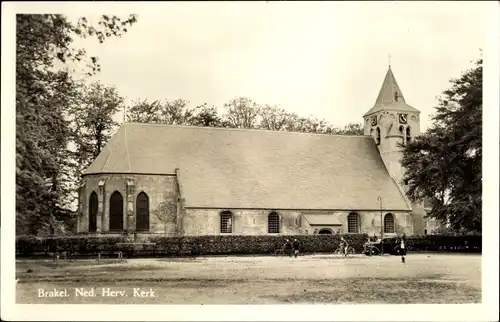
column 245, row 222
column 254, row 222
column 163, row 209
column 160, row 189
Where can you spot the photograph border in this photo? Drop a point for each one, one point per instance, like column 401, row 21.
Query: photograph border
column 488, row 310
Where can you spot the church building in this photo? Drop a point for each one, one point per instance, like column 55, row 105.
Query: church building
column 185, row 180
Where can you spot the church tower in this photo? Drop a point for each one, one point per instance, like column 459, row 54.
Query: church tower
column 391, row 121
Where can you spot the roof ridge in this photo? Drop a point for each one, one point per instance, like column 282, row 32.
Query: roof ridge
column 245, row 129
column 111, row 150
column 126, row 148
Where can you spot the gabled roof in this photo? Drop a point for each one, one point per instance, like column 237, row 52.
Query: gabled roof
column 391, row 97
column 256, row 169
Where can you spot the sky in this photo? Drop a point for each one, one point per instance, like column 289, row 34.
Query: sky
column 326, row 59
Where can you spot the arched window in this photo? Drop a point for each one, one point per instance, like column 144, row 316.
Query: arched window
column 389, row 224
column 142, row 212
column 226, row 222
column 408, row 134
column 116, row 212
column 325, row 231
column 378, row 136
column 273, row 223
column 353, row 223
column 93, row 207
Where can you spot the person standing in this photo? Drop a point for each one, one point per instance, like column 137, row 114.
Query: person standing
column 368, row 247
column 343, row 246
column 296, row 246
column 288, row 247
column 403, row 248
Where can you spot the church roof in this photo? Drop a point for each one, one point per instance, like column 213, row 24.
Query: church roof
column 256, row 169
column 391, row 97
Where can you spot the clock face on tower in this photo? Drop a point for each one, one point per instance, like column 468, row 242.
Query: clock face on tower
column 374, row 120
column 403, row 118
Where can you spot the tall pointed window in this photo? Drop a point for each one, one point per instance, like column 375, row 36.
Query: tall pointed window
column 389, row 223
column 93, row 207
column 116, row 212
column 273, row 223
column 408, row 134
column 378, row 136
column 142, row 212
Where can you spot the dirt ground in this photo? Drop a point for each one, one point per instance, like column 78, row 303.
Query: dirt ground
column 425, row 278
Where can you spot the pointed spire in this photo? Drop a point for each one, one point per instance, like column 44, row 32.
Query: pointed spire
column 390, row 91
column 390, row 96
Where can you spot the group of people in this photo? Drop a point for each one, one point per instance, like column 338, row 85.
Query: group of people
column 294, row 247
column 400, row 245
column 344, row 246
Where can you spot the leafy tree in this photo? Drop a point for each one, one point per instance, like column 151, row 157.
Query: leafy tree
column 143, row 111
column 92, row 121
column 352, row 129
column 444, row 164
column 274, row 118
column 43, row 93
column 166, row 112
column 205, row 115
column 242, row 112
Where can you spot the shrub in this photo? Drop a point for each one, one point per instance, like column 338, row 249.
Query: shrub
column 436, row 243
column 157, row 245
column 154, row 245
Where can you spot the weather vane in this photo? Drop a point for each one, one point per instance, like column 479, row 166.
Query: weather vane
column 389, row 56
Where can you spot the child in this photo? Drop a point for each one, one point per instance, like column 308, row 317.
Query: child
column 344, row 245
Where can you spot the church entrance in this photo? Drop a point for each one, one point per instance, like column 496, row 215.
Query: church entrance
column 325, row 231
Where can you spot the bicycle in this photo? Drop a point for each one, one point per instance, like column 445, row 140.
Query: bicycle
column 340, row 251
column 280, row 251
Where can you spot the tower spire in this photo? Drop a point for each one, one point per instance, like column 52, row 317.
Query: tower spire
column 390, row 95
